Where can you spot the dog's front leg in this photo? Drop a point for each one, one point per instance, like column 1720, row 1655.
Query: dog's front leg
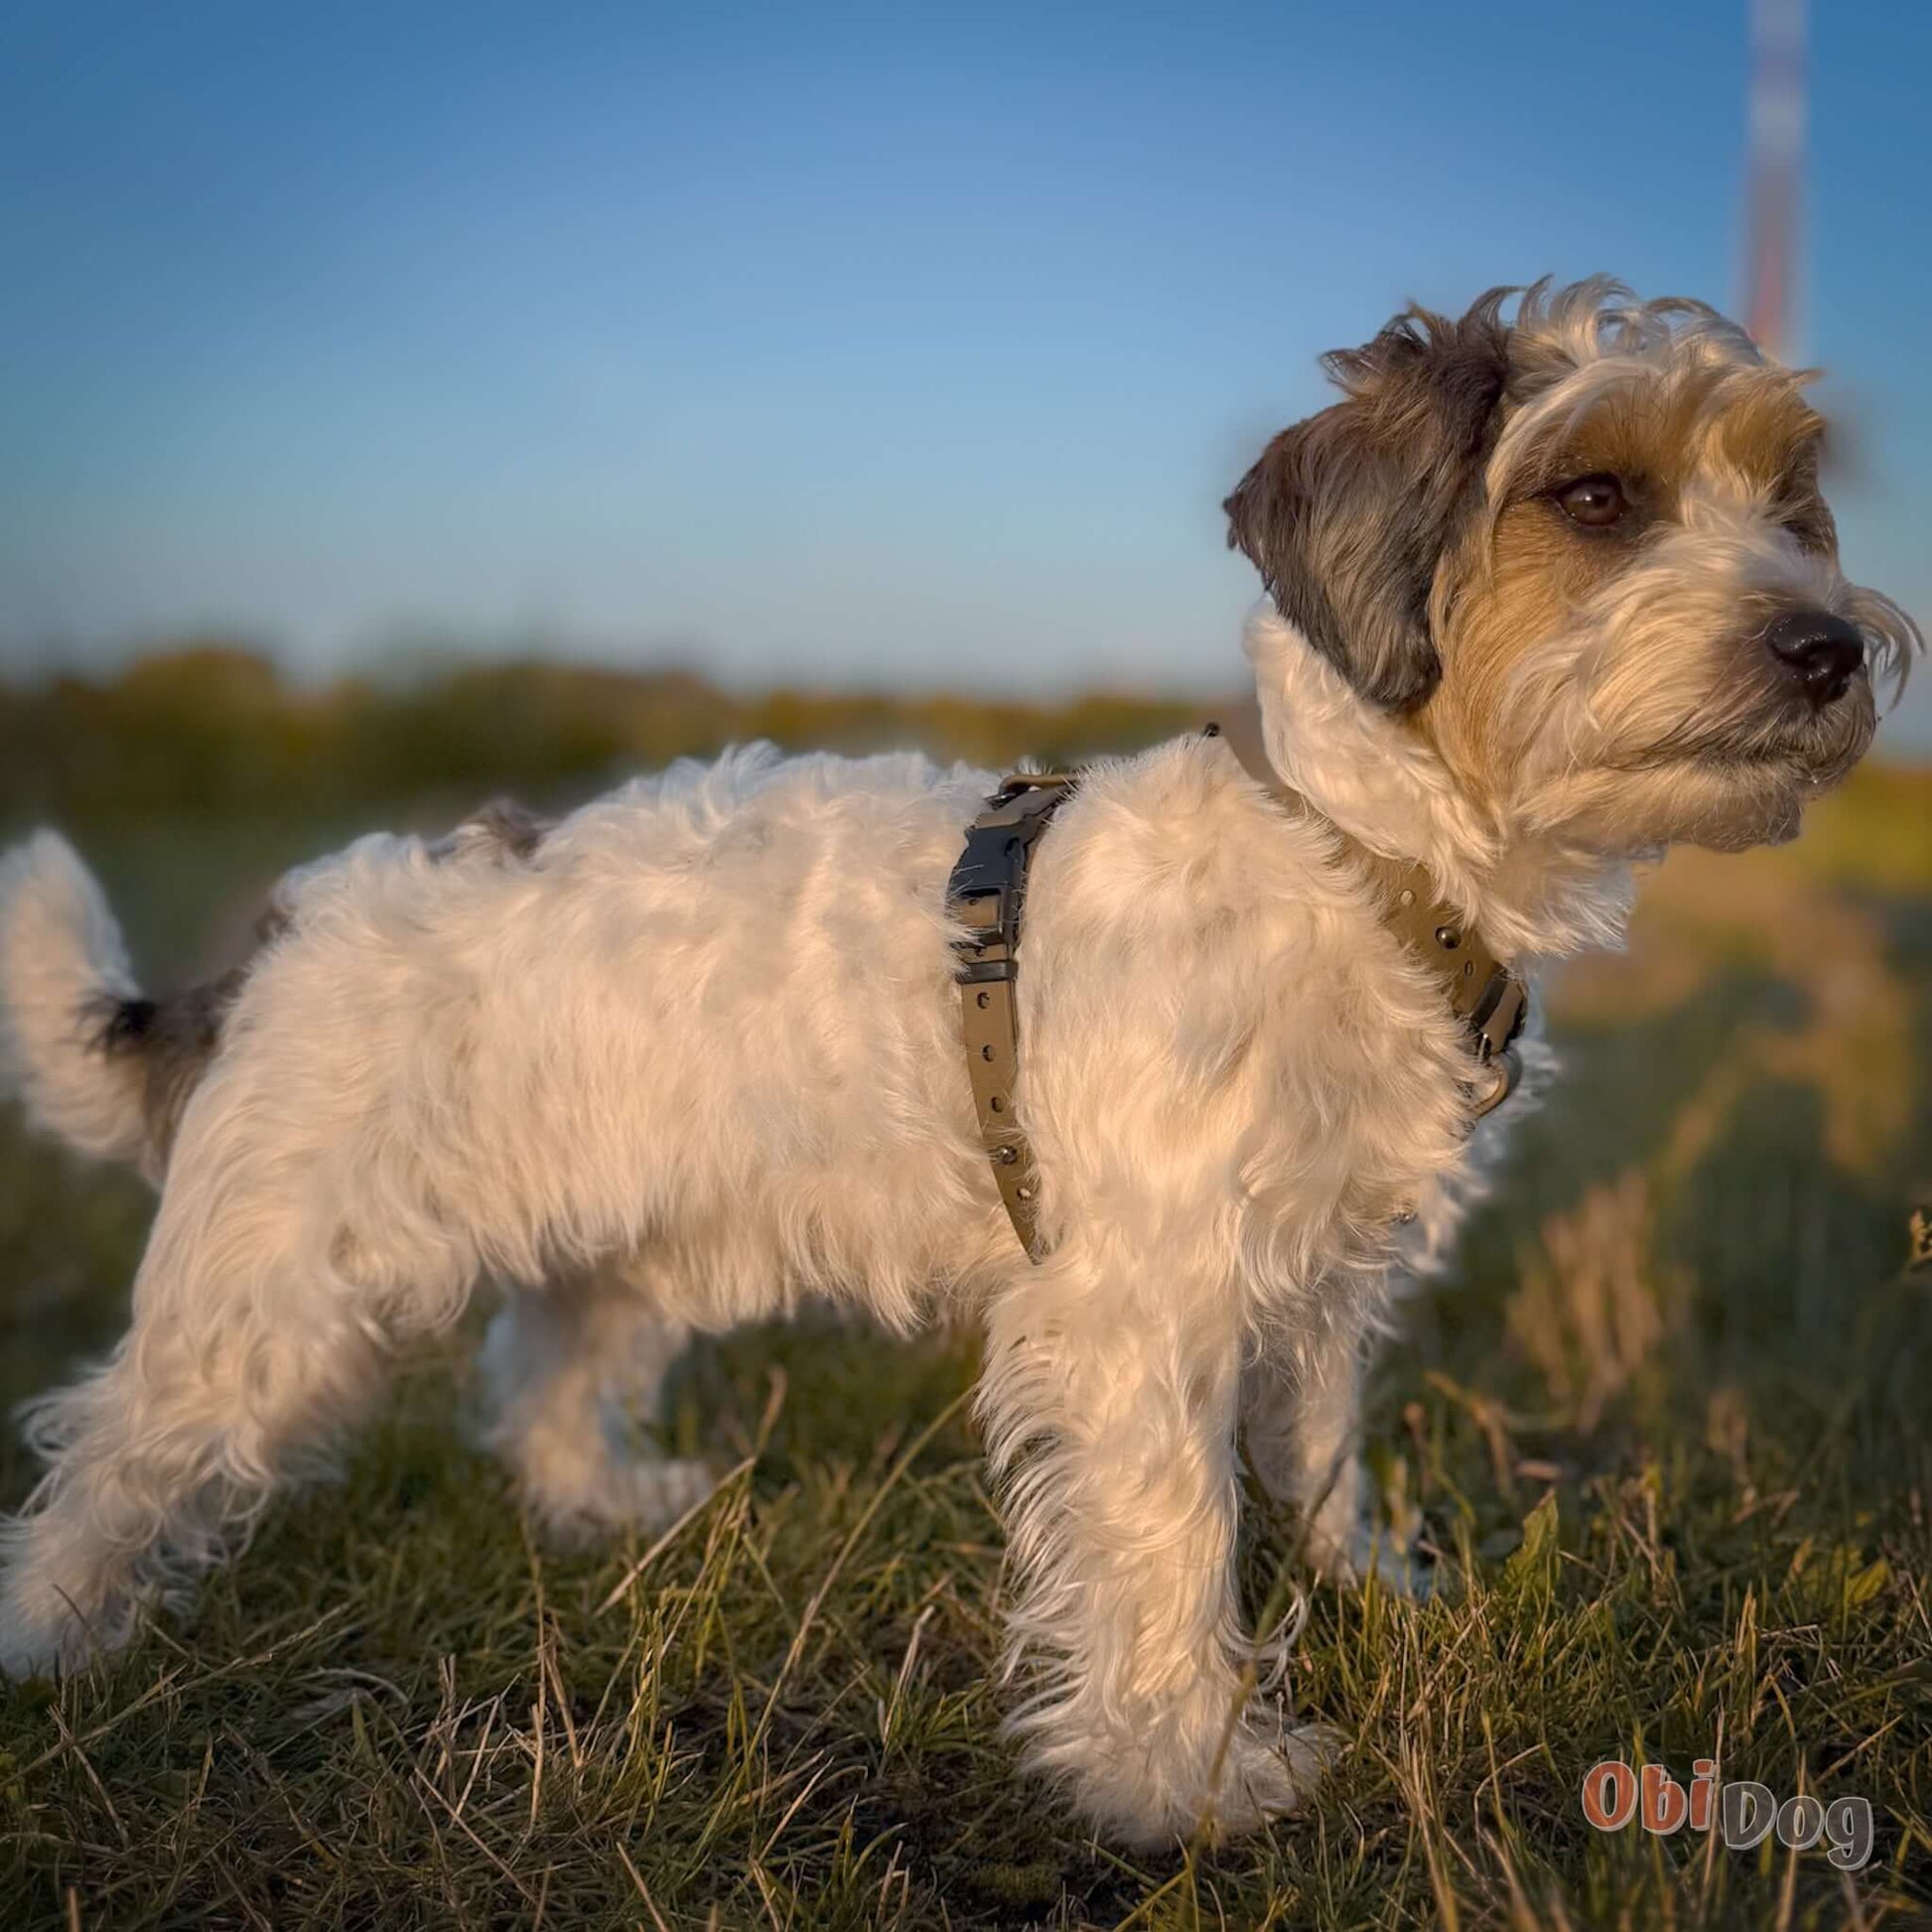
column 1300, row 1425
column 1110, row 1400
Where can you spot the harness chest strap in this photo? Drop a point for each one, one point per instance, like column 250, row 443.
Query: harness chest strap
column 1480, row 990
column 987, row 894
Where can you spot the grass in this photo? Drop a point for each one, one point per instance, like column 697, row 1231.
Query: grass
column 1668, row 1426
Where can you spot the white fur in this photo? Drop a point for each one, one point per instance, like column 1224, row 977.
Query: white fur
column 61, row 956
column 700, row 1056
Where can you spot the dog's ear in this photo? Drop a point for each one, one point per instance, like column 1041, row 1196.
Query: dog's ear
column 1346, row 514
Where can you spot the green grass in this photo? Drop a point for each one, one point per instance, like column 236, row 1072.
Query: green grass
column 1680, row 1348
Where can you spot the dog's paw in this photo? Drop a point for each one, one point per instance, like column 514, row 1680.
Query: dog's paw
column 27, row 1654
column 644, row 1493
column 1268, row 1771
column 40, row 1638
column 652, row 1495
column 1178, row 1779
column 1350, row 1560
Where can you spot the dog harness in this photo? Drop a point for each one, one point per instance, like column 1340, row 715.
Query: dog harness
column 987, row 894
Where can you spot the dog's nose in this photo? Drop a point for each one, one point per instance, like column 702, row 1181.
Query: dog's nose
column 1821, row 651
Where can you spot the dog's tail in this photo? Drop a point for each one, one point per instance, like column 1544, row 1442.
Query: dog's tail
column 70, row 1008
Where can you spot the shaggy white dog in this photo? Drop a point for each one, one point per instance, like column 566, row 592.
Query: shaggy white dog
column 1557, row 590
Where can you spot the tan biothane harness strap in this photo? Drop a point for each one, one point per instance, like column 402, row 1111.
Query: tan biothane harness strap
column 1481, row 991
column 987, row 895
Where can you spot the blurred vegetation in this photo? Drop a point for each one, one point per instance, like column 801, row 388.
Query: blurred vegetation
column 214, row 727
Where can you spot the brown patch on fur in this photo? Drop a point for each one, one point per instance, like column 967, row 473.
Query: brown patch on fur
column 1499, row 599
column 1770, row 435
column 170, row 1042
column 504, row 829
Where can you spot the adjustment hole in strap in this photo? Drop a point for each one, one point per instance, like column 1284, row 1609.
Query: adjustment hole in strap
column 983, row 998
column 995, row 1104
column 985, row 1052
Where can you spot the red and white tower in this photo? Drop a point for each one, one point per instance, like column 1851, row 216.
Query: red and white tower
column 1777, row 154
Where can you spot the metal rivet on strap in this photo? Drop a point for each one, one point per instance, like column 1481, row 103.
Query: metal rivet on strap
column 1405, row 898
column 1448, row 937
column 1006, row 1156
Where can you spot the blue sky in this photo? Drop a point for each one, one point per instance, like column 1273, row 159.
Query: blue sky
column 888, row 344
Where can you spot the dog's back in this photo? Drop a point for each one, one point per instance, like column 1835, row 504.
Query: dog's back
column 592, row 951
column 103, row 1066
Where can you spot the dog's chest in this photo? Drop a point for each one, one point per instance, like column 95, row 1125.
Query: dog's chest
column 1282, row 1071
column 1364, row 1123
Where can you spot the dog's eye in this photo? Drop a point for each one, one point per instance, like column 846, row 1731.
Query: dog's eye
column 1595, row 501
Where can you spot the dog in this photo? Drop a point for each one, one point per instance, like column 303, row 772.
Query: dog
column 1551, row 586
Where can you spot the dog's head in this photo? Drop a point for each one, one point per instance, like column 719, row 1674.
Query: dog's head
column 1583, row 552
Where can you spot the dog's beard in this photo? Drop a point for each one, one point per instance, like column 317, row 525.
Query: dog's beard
column 1728, row 806
column 1706, row 749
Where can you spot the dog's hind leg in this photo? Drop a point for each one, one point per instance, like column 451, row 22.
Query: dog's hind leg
column 569, row 1369
column 247, row 1352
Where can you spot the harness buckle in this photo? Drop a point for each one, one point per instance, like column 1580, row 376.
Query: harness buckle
column 993, row 867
